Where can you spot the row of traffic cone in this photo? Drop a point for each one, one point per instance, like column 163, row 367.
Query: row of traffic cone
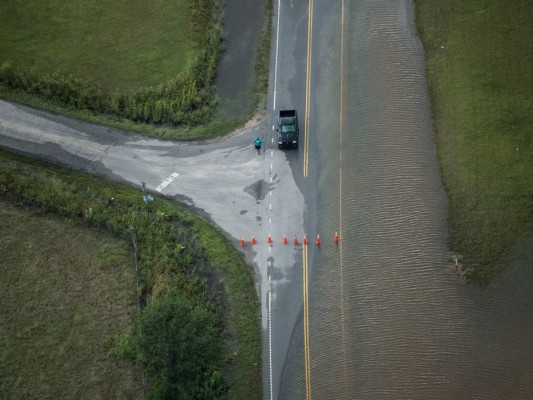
column 295, row 242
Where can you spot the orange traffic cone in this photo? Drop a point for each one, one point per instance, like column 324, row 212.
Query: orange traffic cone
column 253, row 240
column 295, row 241
column 317, row 240
column 269, row 240
column 285, row 241
column 305, row 240
column 336, row 238
column 243, row 243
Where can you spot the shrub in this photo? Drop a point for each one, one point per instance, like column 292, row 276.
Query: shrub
column 181, row 349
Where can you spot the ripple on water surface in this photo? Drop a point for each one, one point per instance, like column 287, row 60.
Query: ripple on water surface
column 387, row 318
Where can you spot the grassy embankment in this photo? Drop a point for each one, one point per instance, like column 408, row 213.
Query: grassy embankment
column 194, row 287
column 115, row 63
column 67, row 295
column 479, row 63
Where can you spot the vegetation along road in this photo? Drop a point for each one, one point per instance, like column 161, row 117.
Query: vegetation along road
column 337, row 321
column 186, row 268
column 479, row 61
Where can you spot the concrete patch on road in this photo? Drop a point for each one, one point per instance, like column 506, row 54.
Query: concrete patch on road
column 258, row 189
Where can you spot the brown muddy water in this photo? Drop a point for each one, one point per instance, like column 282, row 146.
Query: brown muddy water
column 389, row 319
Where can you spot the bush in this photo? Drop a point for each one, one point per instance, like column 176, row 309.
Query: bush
column 181, row 349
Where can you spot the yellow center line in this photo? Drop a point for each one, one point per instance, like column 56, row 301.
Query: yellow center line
column 308, row 89
column 306, row 326
column 341, row 134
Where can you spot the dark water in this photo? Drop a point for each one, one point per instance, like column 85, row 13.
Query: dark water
column 388, row 317
column 234, row 83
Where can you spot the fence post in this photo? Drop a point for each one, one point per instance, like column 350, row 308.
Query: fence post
column 135, row 260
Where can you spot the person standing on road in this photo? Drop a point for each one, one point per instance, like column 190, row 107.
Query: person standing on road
column 257, row 143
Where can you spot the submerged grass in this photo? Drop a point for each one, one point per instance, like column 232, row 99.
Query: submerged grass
column 67, row 295
column 479, row 59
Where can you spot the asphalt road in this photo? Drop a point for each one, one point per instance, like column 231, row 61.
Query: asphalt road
column 377, row 315
column 383, row 316
column 306, row 329
column 242, row 192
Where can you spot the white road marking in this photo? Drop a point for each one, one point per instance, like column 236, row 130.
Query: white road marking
column 270, row 207
column 167, row 181
column 276, row 62
column 270, row 337
column 270, row 219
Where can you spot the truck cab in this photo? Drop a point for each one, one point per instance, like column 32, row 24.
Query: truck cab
column 288, row 131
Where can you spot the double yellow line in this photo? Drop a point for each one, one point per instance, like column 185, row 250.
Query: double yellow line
column 341, row 135
column 305, row 266
column 308, row 88
column 307, row 358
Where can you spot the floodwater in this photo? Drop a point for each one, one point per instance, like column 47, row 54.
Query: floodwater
column 388, row 317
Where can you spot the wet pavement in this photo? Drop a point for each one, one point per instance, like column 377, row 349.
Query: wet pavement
column 387, row 317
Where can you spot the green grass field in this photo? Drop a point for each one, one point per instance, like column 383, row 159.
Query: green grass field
column 479, row 58
column 140, row 66
column 115, row 44
column 178, row 252
column 67, row 292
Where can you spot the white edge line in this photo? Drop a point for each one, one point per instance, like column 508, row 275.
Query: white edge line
column 276, row 61
column 270, row 337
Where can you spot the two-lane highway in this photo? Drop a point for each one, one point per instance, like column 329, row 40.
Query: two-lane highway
column 378, row 315
column 382, row 317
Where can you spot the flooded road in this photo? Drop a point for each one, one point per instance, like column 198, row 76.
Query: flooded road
column 386, row 316
column 388, row 319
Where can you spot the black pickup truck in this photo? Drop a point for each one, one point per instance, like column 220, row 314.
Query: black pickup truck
column 288, row 129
